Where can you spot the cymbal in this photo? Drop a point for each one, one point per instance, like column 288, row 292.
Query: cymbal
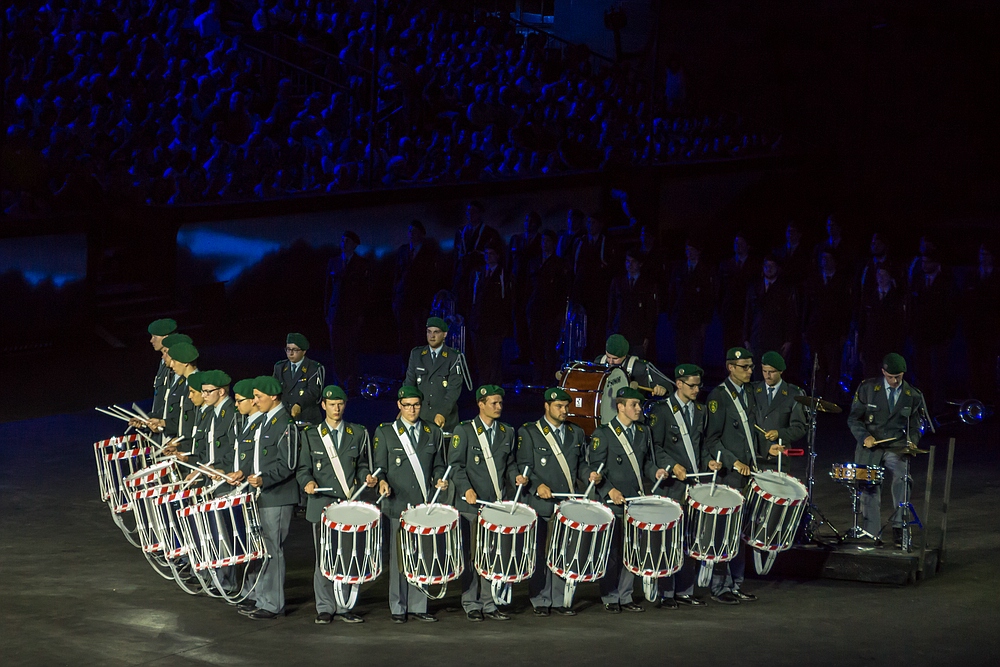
column 821, row 405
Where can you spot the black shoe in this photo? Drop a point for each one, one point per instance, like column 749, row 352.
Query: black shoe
column 612, row 609
column 246, row 605
column 497, row 615
column 247, row 612
column 349, row 617
column 540, row 611
column 426, row 618
column 475, row 616
column 564, row 611
column 689, row 601
column 667, row 603
column 726, row 598
column 263, row 615
column 744, row 597
column 399, row 618
column 323, row 618
column 897, row 537
column 633, row 607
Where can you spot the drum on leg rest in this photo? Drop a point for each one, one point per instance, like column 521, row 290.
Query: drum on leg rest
column 430, row 544
column 505, row 547
column 350, row 548
column 654, row 545
column 580, row 543
column 773, row 509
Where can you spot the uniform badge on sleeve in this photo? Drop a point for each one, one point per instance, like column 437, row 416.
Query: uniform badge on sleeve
column 713, row 406
column 454, row 441
column 597, row 441
column 444, row 383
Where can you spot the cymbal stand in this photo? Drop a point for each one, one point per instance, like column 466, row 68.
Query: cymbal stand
column 856, row 531
column 814, row 517
column 907, row 514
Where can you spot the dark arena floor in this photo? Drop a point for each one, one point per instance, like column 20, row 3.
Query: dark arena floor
column 76, row 593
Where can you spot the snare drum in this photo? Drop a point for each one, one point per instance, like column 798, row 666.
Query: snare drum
column 350, row 547
column 773, row 510
column 713, row 523
column 851, row 473
column 118, row 458
column 430, row 545
column 505, row 546
column 592, row 389
column 654, row 544
column 580, row 542
column 222, row 532
column 164, row 472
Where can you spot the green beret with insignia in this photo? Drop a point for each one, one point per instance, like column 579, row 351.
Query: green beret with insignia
column 174, row 339
column 894, row 364
column 196, row 380
column 437, row 322
column 555, row 394
column 409, row 391
column 617, row 346
column 488, row 390
column 773, row 359
column 244, row 388
column 629, row 392
column 687, row 370
column 218, row 378
column 163, row 327
column 735, row 353
column 297, row 339
column 334, row 393
column 186, row 353
column 267, row 385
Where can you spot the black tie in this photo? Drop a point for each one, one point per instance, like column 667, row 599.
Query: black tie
column 489, row 437
column 629, row 435
column 558, row 436
column 334, row 434
column 743, row 399
column 687, row 416
column 892, row 399
column 770, row 395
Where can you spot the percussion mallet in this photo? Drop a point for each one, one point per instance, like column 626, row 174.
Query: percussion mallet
column 635, row 385
column 590, row 487
column 444, row 477
column 363, row 487
column 520, row 487
column 718, row 459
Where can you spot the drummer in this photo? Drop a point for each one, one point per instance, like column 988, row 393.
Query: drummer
column 215, row 432
column 678, row 428
column 732, row 433
column 555, row 453
column 158, row 330
column 410, row 453
column 778, row 413
column 333, row 456
column 482, row 458
column 640, row 373
column 625, row 447
column 242, row 435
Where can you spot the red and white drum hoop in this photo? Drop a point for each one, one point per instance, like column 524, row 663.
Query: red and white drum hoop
column 774, row 509
column 713, row 523
column 223, row 532
column 430, row 544
column 580, row 543
column 118, row 458
column 505, row 546
column 654, row 540
column 350, row 548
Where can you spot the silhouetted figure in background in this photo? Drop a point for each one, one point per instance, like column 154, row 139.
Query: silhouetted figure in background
column 525, row 248
column 881, row 322
column 348, row 293
column 735, row 275
column 691, row 302
column 771, row 313
column 592, row 260
column 633, row 306
column 827, row 306
column 982, row 326
column 416, row 282
column 489, row 318
column 549, row 281
column 931, row 312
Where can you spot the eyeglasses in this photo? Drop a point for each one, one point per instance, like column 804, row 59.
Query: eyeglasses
column 209, row 391
column 692, row 385
column 293, row 349
column 745, row 367
column 409, row 406
column 240, row 400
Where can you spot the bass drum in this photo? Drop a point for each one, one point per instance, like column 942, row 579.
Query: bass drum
column 592, row 389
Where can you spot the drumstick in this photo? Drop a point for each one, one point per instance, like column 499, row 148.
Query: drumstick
column 323, row 488
column 140, row 411
column 111, row 414
column 657, row 485
column 698, row 474
column 125, row 412
column 381, row 498
column 635, row 385
column 444, row 477
column 879, row 442
column 363, row 487
column 718, row 459
column 590, row 487
column 520, row 487
column 496, row 506
column 565, row 495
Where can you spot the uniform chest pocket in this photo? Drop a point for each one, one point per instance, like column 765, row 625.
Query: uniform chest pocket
column 905, row 411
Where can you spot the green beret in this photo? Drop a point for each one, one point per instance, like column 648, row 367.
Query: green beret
column 437, row 322
column 196, row 380
column 218, row 378
column 774, row 359
column 334, row 393
column 488, row 390
column 174, row 339
column 267, row 385
column 555, row 394
column 735, row 353
column 617, row 346
column 163, row 327
column 409, row 391
column 244, row 388
column 186, row 353
column 687, row 370
column 629, row 392
column 297, row 339
column 894, row 364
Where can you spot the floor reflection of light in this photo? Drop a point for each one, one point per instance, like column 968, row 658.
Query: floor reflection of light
column 230, row 254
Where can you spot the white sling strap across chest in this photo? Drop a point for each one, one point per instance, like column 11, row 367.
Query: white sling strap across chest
column 491, row 467
column 686, row 437
column 630, row 453
column 338, row 467
column 746, row 424
column 411, row 454
column 557, row 450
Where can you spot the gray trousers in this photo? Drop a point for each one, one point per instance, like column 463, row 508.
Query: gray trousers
column 544, row 588
column 727, row 577
column 269, row 574
column 682, row 582
column 476, row 591
column 403, row 598
column 323, row 588
column 617, row 583
column 871, row 495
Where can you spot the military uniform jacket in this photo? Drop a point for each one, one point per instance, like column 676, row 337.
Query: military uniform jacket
column 303, row 387
column 668, row 440
column 241, row 442
column 606, row 448
column 724, row 431
column 221, row 427
column 390, row 456
column 164, row 376
column 643, row 372
column 279, row 449
column 469, row 468
column 533, row 450
column 439, row 380
column 315, row 464
column 784, row 414
column 179, row 405
column 870, row 415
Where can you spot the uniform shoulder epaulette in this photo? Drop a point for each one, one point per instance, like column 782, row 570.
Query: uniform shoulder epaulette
column 307, row 427
column 527, row 424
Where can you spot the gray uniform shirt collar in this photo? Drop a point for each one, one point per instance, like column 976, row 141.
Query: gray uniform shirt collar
column 220, row 405
column 561, row 429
